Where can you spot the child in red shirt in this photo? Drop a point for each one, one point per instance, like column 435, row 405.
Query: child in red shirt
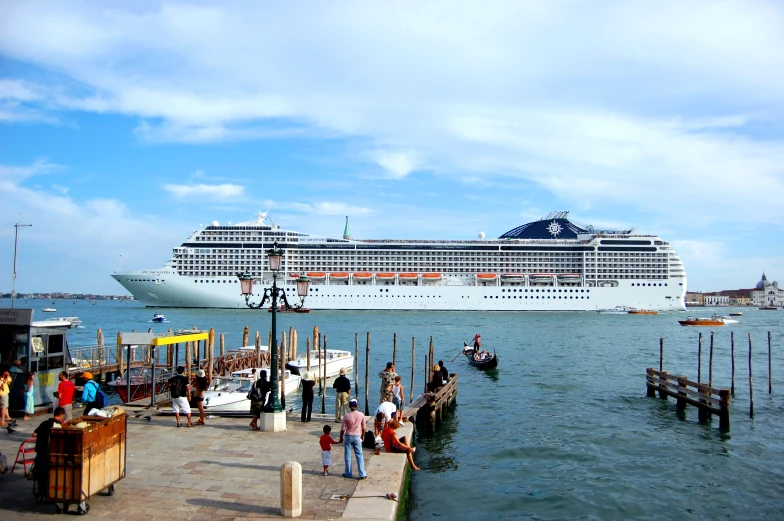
column 326, row 441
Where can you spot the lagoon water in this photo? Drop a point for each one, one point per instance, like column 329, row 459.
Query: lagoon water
column 563, row 429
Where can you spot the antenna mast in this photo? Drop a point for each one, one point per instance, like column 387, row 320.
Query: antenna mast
column 16, row 249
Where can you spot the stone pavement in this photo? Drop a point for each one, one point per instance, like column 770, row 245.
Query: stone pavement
column 219, row 471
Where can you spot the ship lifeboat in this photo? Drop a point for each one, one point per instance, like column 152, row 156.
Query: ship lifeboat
column 569, row 278
column 513, row 277
column 409, row 276
column 363, row 275
column 338, row 275
column 486, row 276
column 316, row 275
column 431, row 276
column 540, row 278
column 385, row 276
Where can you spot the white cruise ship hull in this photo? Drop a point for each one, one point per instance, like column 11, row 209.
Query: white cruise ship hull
column 165, row 288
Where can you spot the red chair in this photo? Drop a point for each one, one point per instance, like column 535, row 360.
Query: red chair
column 26, row 456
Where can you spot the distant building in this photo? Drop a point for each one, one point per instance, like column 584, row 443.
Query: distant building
column 738, row 297
column 715, row 299
column 767, row 293
column 694, row 298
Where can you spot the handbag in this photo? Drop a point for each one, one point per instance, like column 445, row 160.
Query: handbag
column 255, row 394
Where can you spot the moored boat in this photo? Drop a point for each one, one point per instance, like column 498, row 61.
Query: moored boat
column 49, row 310
column 617, row 310
column 336, row 360
column 141, row 383
column 75, row 321
column 230, row 394
column 713, row 321
column 736, row 314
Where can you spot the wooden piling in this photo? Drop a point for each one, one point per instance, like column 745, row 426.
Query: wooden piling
column 317, row 348
column 223, row 345
column 682, row 383
column 245, row 333
column 307, row 355
column 284, row 352
column 702, row 412
column 394, row 350
column 210, row 352
column 699, row 359
column 661, row 354
column 427, row 373
column 751, row 384
column 770, row 368
column 257, row 345
column 665, row 375
column 356, row 364
column 724, row 415
column 188, row 359
column 413, row 360
column 732, row 355
column 119, row 354
column 367, row 373
column 324, row 378
column 710, row 363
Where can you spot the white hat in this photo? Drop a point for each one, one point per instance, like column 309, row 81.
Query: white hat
column 200, row 373
column 342, row 370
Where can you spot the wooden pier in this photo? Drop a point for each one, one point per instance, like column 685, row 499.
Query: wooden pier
column 429, row 408
column 707, row 399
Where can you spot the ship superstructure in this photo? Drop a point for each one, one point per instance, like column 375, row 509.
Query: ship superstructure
column 549, row 264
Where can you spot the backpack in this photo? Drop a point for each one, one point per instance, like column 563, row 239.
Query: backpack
column 101, row 398
column 177, row 387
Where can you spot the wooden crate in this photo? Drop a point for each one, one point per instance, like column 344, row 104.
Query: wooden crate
column 83, row 462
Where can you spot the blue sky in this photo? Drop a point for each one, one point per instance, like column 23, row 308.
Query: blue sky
column 126, row 125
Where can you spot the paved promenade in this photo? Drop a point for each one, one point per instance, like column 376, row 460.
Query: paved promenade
column 219, row 471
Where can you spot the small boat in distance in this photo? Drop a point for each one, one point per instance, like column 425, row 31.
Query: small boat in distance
column 764, row 308
column 158, row 317
column 726, row 320
column 617, row 310
column 736, row 314
column 49, row 310
column 713, row 321
column 75, row 321
column 633, row 311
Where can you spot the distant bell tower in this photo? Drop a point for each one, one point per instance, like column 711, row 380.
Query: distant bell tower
column 347, row 231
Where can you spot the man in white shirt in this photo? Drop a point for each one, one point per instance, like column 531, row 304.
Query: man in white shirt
column 387, row 407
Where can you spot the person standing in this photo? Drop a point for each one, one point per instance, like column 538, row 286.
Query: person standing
column 202, row 384
column 342, row 386
column 5, row 389
column 308, row 383
column 64, row 394
column 326, row 441
column 29, row 396
column 352, row 429
column 89, row 392
column 398, row 397
column 387, row 379
column 264, row 387
column 41, row 435
column 180, row 389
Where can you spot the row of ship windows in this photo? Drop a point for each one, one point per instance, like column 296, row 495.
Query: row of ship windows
column 257, row 254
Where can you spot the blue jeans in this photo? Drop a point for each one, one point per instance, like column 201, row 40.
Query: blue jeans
column 354, row 441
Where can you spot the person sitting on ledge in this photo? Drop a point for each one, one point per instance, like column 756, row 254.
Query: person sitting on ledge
column 393, row 444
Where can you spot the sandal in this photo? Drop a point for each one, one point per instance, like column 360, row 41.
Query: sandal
column 199, row 422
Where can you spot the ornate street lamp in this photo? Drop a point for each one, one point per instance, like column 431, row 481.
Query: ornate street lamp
column 273, row 294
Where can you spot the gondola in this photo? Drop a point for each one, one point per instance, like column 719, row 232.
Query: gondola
column 490, row 363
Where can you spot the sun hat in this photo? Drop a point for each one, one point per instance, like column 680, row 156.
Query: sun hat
column 88, row 375
column 342, row 370
column 200, row 373
column 353, row 404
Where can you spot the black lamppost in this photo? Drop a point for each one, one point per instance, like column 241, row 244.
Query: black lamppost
column 273, row 294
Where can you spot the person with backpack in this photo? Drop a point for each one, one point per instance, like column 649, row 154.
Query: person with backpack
column 180, row 389
column 92, row 395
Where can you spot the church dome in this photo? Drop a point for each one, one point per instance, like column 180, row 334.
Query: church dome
column 762, row 282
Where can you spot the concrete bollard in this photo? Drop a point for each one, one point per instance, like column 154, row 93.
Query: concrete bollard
column 291, row 489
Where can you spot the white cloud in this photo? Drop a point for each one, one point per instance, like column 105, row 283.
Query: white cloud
column 220, row 192
column 327, row 208
column 653, row 105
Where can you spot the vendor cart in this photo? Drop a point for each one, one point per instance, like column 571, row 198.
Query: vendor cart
column 85, row 461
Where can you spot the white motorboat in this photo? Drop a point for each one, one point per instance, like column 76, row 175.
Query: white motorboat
column 49, row 310
column 158, row 317
column 617, row 310
column 291, row 380
column 726, row 320
column 230, row 394
column 336, row 360
column 75, row 321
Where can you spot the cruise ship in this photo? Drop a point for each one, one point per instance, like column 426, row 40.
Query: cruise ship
column 552, row 264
